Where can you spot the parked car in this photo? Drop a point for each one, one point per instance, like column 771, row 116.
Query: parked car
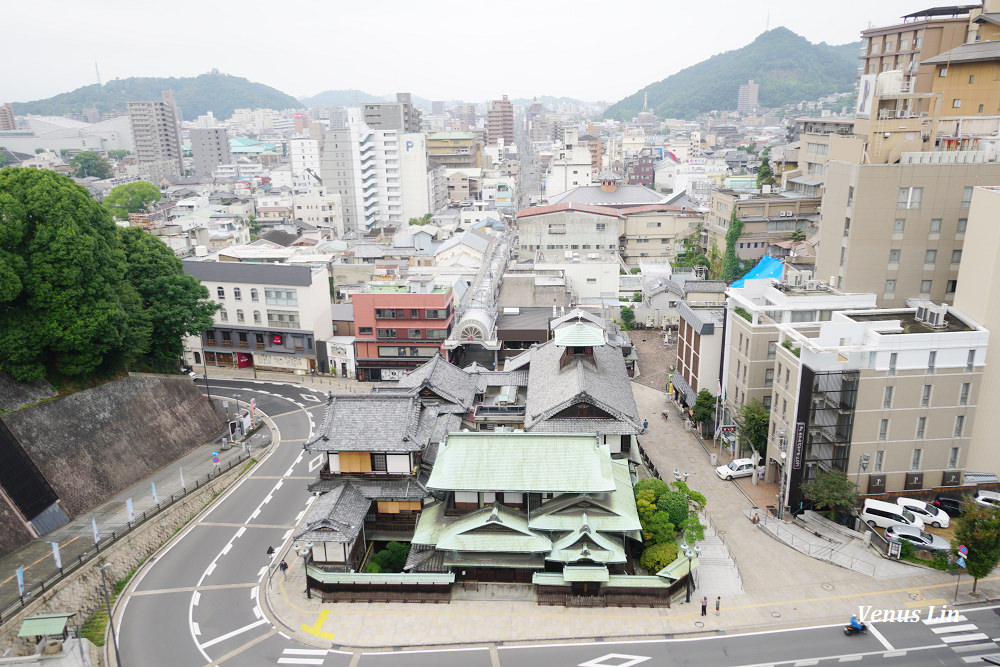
column 950, row 505
column 927, row 513
column 987, row 498
column 884, row 514
column 735, row 468
column 919, row 538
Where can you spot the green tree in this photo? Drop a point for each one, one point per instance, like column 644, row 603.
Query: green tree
column 765, row 175
column 798, row 235
column 753, row 420
column 627, row 316
column 690, row 254
column 657, row 486
column 423, row 220
column 89, row 163
column 657, row 556
column 4, row 159
column 978, row 529
column 131, row 198
column 637, row 297
column 67, row 308
column 645, row 504
column 704, row 407
column 658, row 528
column 177, row 304
column 392, row 558
column 675, row 504
column 831, row 489
column 255, row 227
column 117, row 154
column 732, row 265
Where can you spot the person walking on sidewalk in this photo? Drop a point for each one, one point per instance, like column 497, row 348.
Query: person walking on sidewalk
column 718, row 602
column 704, row 605
column 645, row 425
column 283, row 566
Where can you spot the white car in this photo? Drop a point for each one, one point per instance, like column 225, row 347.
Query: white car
column 735, row 468
column 987, row 498
column 928, row 513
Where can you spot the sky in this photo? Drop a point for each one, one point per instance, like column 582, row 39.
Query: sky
column 437, row 49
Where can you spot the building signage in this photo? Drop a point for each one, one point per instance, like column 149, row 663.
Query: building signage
column 876, row 483
column 951, row 478
column 914, row 480
column 277, row 339
column 866, row 96
column 800, row 440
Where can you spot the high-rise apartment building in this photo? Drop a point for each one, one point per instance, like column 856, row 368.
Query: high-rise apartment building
column 7, row 117
column 399, row 115
column 156, row 135
column 454, row 150
column 500, row 122
column 466, row 115
column 210, row 148
column 304, row 153
column 746, row 102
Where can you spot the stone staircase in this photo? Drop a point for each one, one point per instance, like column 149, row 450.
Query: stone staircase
column 717, row 573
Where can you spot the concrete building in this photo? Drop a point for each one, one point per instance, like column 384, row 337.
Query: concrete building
column 416, row 188
column 399, row 325
column 210, row 148
column 304, row 153
column 57, row 133
column 156, row 136
column 814, row 153
column 273, row 316
column 500, row 122
column 399, row 115
column 700, row 340
column 746, row 101
column 653, row 232
column 571, row 227
column 466, row 115
column 766, row 217
column 899, row 386
column 7, row 121
column 454, row 150
column 593, row 275
column 978, row 295
column 320, row 209
column 639, row 167
column 569, row 166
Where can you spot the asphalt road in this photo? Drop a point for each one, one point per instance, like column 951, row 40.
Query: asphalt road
column 197, row 603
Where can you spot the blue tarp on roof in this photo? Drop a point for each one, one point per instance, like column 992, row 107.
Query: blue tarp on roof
column 767, row 267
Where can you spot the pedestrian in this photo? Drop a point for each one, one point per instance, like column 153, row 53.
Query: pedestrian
column 645, row 425
column 704, row 606
column 283, row 566
column 718, row 601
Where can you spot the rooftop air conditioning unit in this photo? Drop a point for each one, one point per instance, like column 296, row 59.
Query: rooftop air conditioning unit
column 932, row 315
column 812, row 284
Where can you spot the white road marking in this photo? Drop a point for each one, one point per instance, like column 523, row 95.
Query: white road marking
column 253, row 593
column 955, row 628
column 255, row 514
column 210, row 570
column 226, row 549
column 278, row 485
column 894, row 654
column 239, row 533
column 268, row 499
column 257, row 612
column 286, row 535
column 288, row 473
column 989, row 646
column 850, row 658
column 806, row 663
column 947, row 619
column 300, row 661
column 196, row 629
column 304, row 651
column 976, row 636
column 630, row 660
column 298, row 458
column 316, row 463
column 262, row 571
column 284, row 635
column 230, row 635
column 310, row 397
column 878, row 636
column 196, row 598
column 298, row 517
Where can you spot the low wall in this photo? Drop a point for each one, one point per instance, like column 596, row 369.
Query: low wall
column 81, row 591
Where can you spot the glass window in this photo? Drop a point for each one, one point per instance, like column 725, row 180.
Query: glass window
column 942, row 72
column 963, row 397
column 925, row 286
column 283, row 319
column 256, row 317
column 771, row 347
column 413, row 333
column 953, row 458
column 890, row 286
column 365, row 331
column 887, row 399
column 930, row 256
column 784, row 408
column 769, row 377
column 967, row 196
column 386, row 333
column 237, row 294
column 883, row 429
column 850, row 195
column 935, row 225
column 962, row 224
column 254, row 295
column 921, row 427
column 276, row 297
column 956, row 103
column 892, row 362
column 379, row 463
column 898, row 225
column 239, row 316
column 956, row 256
column 925, row 398
column 223, row 315
column 915, row 461
column 766, row 401
column 221, row 292
column 931, row 359
column 970, row 361
column 959, row 423
column 879, row 460
column 950, row 286
column 894, row 255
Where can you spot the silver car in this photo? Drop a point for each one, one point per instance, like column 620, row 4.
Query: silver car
column 921, row 539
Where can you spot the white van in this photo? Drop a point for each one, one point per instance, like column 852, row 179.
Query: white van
column 884, row 515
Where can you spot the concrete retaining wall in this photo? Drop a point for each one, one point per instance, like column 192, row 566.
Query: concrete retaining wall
column 95, row 443
column 81, row 591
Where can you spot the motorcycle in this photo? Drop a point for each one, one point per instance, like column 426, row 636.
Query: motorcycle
column 851, row 630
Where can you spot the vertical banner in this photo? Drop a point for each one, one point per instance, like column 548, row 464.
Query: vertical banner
column 156, row 501
column 182, row 479
column 20, row 581
column 55, row 555
column 131, row 509
column 97, row 533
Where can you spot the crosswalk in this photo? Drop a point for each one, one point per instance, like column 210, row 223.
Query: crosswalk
column 964, row 638
column 303, row 656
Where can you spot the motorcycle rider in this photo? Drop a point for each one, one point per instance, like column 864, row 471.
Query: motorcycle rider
column 855, row 623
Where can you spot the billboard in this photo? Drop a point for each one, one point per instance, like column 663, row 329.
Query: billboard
column 866, row 96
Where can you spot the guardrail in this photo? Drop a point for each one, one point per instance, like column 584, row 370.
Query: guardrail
column 53, row 576
column 828, row 553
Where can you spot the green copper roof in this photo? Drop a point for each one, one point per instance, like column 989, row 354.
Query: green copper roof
column 579, row 335
column 609, row 512
column 585, row 573
column 585, row 544
column 613, row 581
column 400, row 578
column 492, row 529
column 46, row 624
column 522, row 462
column 678, row 568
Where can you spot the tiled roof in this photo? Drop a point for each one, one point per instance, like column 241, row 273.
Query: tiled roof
column 556, row 208
column 369, row 423
column 623, row 195
column 444, row 378
column 336, row 516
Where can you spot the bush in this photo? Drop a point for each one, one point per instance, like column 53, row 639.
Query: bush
column 659, row 529
column 390, row 559
column 675, row 504
column 645, row 504
column 658, row 486
column 658, row 556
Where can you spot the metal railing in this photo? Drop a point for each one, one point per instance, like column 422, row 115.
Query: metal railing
column 722, row 538
column 829, row 554
column 53, row 575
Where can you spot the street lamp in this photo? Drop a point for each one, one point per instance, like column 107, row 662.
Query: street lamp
column 239, row 417
column 862, row 465
column 304, row 551
column 690, row 553
column 111, row 618
column 204, row 364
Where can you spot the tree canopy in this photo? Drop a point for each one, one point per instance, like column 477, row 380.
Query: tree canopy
column 753, row 420
column 89, row 163
column 79, row 296
column 831, row 489
column 978, row 529
column 703, row 410
column 131, row 198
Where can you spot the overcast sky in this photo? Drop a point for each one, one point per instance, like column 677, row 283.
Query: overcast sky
column 439, row 49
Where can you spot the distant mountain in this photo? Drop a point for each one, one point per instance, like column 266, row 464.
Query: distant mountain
column 347, row 98
column 788, row 68
column 546, row 99
column 215, row 92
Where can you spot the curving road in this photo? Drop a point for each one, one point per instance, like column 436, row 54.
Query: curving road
column 197, row 601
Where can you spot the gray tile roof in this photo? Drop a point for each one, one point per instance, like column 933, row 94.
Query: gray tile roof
column 623, row 195
column 444, row 378
column 374, row 489
column 244, row 272
column 604, row 385
column 968, row 53
column 369, row 423
column 336, row 516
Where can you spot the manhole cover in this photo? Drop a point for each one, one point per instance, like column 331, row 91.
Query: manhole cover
column 828, row 587
column 699, row 624
column 720, row 532
column 916, row 596
column 776, row 614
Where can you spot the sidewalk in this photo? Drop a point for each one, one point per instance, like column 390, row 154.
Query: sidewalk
column 76, row 538
column 782, row 587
